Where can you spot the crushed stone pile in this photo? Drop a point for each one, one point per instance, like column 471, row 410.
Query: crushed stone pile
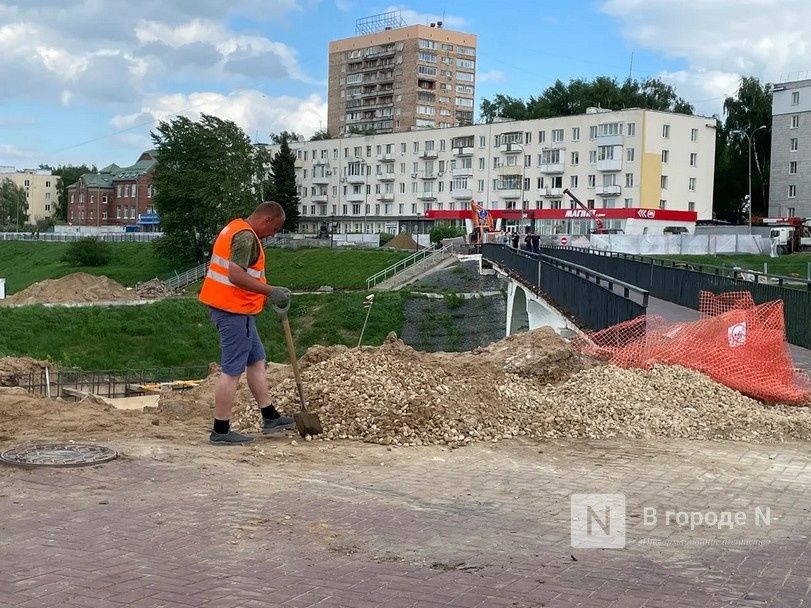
column 532, row 385
column 403, row 241
column 153, row 289
column 12, row 368
column 76, row 287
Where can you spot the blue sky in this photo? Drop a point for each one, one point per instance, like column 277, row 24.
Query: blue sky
column 86, row 81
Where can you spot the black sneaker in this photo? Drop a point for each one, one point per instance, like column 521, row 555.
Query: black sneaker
column 229, row 438
column 277, row 425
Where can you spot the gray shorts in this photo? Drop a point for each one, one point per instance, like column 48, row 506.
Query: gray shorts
column 240, row 345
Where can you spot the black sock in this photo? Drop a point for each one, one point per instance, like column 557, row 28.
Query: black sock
column 269, row 412
column 222, row 426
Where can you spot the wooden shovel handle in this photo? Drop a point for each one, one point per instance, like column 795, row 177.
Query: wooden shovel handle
column 291, row 354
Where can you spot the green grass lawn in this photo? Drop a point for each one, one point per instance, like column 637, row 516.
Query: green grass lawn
column 786, row 265
column 177, row 332
column 25, row 262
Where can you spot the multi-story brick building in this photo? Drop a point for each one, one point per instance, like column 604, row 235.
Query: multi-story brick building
column 630, row 163
column 40, row 191
column 400, row 78
column 790, row 171
column 115, row 196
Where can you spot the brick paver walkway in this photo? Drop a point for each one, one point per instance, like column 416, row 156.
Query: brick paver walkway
column 360, row 526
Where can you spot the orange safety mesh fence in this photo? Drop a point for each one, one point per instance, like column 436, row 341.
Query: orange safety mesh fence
column 735, row 342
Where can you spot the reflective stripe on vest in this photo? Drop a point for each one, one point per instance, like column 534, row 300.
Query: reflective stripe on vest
column 218, row 291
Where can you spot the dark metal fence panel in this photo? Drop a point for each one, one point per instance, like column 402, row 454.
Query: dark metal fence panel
column 682, row 285
column 592, row 304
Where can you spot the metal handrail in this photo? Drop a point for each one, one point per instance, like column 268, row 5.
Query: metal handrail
column 417, row 256
column 187, row 277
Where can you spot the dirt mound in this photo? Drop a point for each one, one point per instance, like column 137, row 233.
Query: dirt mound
column 403, row 241
column 76, row 287
column 11, row 368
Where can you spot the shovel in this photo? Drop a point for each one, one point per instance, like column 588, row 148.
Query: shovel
column 306, row 423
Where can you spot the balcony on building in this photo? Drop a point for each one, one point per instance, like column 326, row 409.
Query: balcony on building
column 552, row 167
column 610, row 164
column 386, row 177
column 320, row 179
column 426, row 196
column 463, row 151
column 609, row 190
column 608, row 140
column 386, row 197
column 356, row 197
column 509, row 170
column 319, row 198
column 506, row 191
column 429, row 154
column 427, row 175
column 320, row 161
column 512, row 148
column 356, row 179
column 554, row 192
column 462, row 193
column 385, row 158
column 461, row 171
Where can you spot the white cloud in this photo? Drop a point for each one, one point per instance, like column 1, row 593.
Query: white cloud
column 720, row 40
column 254, row 112
column 412, row 17
column 11, row 154
column 491, row 76
column 342, row 5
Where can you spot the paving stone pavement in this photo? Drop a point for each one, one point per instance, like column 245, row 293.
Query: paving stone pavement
column 359, row 526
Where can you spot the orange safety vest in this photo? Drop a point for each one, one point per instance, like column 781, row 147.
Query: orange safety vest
column 218, row 291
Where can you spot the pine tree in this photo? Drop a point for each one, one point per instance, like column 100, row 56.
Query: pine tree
column 285, row 191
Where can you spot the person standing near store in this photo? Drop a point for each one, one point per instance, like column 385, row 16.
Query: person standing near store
column 235, row 290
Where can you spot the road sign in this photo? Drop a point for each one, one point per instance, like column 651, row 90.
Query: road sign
column 564, row 240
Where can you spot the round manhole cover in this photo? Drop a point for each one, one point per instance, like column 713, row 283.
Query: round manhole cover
column 57, row 455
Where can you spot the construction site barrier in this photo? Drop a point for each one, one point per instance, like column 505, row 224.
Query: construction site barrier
column 593, row 299
column 736, row 342
column 681, row 283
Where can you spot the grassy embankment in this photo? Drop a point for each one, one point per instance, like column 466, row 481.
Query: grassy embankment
column 786, row 265
column 177, row 332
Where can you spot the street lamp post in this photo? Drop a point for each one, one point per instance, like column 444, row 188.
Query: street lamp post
column 750, row 137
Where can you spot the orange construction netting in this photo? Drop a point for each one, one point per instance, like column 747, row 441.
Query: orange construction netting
column 735, row 342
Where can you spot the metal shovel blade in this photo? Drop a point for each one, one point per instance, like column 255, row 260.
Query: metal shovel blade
column 307, row 423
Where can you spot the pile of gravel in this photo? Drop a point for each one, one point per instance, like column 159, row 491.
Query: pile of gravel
column 531, row 385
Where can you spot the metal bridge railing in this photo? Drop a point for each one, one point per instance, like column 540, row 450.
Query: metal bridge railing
column 416, row 257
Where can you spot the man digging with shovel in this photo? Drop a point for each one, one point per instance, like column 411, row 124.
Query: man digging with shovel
column 235, row 289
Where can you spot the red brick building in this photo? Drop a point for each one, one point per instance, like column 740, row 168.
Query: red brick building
column 115, row 196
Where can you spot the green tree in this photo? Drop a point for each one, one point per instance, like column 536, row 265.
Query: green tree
column 445, row 230
column 288, row 136
column 205, row 178
column 13, row 204
column 88, row 252
column 67, row 176
column 321, row 134
column 749, row 109
column 562, row 99
column 283, row 179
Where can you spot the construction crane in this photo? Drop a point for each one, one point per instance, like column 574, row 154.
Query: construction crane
column 598, row 223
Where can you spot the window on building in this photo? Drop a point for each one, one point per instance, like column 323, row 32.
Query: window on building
column 629, row 180
column 629, row 202
column 693, row 159
column 631, row 129
column 793, row 144
column 792, row 191
column 629, row 155
column 795, row 121
column 575, row 133
column 573, row 181
column 792, row 167
column 592, row 181
column 666, row 131
column 662, row 204
column 663, row 182
column 795, row 98
column 480, row 185
column 465, row 76
column 427, row 57
column 575, row 159
column 691, row 184
column 528, row 160
column 691, row 206
column 665, row 155
column 592, row 156
column 557, row 135
column 541, row 137
column 693, row 134
column 482, row 141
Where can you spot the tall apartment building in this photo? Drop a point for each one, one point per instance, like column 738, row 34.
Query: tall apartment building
column 401, row 78
column 790, row 172
column 115, row 196
column 40, row 190
column 625, row 164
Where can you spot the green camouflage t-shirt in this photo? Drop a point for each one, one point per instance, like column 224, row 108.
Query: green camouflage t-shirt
column 244, row 249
